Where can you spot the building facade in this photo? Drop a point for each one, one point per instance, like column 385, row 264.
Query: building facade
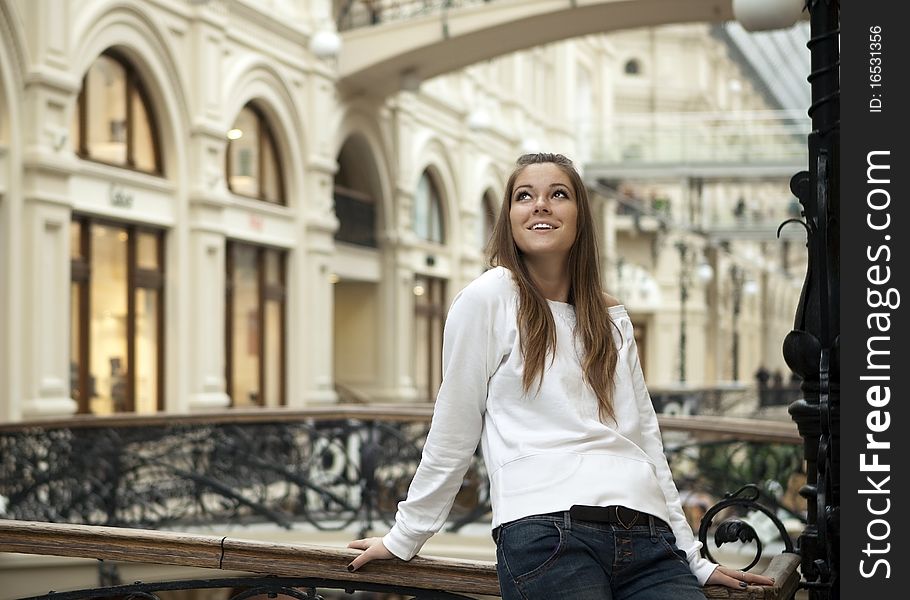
column 194, row 217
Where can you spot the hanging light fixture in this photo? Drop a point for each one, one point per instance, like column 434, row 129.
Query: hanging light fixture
column 705, row 272
column 479, row 119
column 325, row 44
column 529, row 146
column 760, row 15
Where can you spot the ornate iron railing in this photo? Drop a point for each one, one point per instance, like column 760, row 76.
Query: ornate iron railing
column 715, row 400
column 715, row 468
column 721, row 400
column 338, row 469
column 334, row 468
column 328, row 473
column 351, row 14
column 356, row 214
column 734, row 529
column 241, row 588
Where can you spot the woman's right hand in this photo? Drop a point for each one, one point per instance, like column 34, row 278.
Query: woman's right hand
column 373, row 549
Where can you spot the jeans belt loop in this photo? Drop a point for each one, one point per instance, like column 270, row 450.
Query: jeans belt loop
column 653, row 528
column 567, row 520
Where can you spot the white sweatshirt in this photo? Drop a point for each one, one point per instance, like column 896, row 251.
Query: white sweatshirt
column 545, row 450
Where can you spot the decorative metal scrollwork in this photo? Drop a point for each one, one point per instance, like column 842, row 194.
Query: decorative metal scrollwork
column 273, row 589
column 330, row 474
column 733, row 530
column 352, row 14
column 812, row 348
column 245, row 588
column 713, row 467
column 327, row 473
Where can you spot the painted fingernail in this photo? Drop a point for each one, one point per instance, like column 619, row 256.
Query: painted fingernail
column 772, row 579
column 742, row 584
column 351, row 568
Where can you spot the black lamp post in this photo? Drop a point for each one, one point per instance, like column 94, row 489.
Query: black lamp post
column 738, row 278
column 687, row 260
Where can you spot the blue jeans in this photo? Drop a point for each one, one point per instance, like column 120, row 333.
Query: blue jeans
column 552, row 557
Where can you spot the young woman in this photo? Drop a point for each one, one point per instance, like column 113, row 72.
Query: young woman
column 540, row 366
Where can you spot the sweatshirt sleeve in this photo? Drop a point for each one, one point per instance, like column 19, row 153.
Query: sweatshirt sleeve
column 468, row 361
column 653, row 446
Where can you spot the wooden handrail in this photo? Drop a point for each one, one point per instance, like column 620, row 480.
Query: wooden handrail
column 233, row 554
column 301, row 560
column 371, row 412
column 782, row 568
column 753, row 430
column 736, row 428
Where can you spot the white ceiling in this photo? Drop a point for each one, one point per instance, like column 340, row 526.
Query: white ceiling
column 780, row 59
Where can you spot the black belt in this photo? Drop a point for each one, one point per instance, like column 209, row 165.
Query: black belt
column 619, row 515
column 615, row 515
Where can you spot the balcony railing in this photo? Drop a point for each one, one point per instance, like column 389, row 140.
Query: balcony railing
column 292, row 570
column 332, row 468
column 289, row 566
column 356, row 213
column 351, row 14
column 721, row 399
column 335, row 468
column 693, row 138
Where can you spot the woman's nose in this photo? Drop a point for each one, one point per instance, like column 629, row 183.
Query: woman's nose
column 541, row 204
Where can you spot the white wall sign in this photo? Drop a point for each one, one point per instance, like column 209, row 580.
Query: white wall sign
column 120, row 197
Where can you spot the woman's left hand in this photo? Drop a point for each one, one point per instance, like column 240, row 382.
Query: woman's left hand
column 373, row 549
column 733, row 578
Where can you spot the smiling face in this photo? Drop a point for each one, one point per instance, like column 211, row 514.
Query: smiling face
column 543, row 213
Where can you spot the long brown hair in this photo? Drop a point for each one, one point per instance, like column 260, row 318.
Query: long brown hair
column 535, row 320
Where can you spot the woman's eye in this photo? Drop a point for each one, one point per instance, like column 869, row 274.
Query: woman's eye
column 562, row 193
column 522, row 196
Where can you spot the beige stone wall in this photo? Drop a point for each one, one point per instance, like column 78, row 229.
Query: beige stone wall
column 203, row 63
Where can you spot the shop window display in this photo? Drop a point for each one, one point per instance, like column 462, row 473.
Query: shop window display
column 116, row 311
column 255, row 371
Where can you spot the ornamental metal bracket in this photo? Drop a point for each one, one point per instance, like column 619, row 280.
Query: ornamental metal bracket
column 737, row 530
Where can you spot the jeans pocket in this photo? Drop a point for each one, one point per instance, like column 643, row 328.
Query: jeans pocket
column 668, row 540
column 530, row 546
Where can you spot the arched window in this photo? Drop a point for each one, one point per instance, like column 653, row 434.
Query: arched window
column 356, row 193
column 253, row 165
column 428, row 220
column 632, row 67
column 114, row 122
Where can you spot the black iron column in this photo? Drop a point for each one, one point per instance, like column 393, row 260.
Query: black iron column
column 811, row 349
